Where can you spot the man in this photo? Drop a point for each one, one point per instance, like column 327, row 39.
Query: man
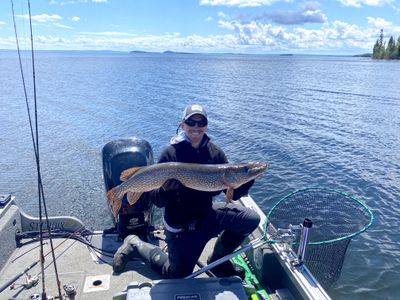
column 191, row 218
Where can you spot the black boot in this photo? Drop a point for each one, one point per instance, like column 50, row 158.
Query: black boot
column 134, row 247
column 227, row 268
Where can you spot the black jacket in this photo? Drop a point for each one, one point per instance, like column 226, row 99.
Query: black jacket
column 186, row 205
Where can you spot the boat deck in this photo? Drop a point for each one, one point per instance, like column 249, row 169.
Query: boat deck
column 90, row 271
column 78, row 265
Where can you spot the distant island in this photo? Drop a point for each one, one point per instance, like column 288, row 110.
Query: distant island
column 139, row 52
column 165, row 52
column 389, row 51
column 363, row 55
column 383, row 52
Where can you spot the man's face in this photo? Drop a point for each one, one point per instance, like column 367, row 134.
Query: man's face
column 194, row 128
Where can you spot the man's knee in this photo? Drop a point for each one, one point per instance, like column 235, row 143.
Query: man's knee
column 249, row 220
column 253, row 220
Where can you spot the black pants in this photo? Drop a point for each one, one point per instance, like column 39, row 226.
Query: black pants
column 184, row 248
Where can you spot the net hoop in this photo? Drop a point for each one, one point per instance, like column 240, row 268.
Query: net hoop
column 367, row 211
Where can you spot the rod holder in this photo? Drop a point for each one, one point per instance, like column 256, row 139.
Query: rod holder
column 307, row 224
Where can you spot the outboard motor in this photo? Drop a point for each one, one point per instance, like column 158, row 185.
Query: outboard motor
column 118, row 156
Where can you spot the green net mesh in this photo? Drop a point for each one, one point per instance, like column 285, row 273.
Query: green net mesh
column 336, row 218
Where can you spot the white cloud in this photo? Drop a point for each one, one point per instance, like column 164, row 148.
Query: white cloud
column 379, row 23
column 75, row 19
column 255, row 36
column 222, row 15
column 43, row 18
column 259, row 34
column 240, row 3
column 344, row 31
column 50, row 40
column 305, row 13
column 107, row 33
column 7, row 42
column 336, row 36
column 359, row 3
column 48, row 19
column 67, row 2
column 251, row 37
column 62, row 26
column 389, row 29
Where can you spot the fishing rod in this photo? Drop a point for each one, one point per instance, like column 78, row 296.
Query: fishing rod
column 35, row 141
column 252, row 245
column 19, row 275
column 16, row 277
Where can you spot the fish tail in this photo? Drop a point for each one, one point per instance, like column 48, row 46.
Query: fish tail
column 114, row 199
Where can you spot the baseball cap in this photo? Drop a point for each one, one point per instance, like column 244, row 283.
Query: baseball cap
column 194, row 109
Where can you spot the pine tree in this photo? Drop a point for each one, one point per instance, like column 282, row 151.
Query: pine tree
column 381, row 53
column 391, row 51
column 377, row 50
column 398, row 47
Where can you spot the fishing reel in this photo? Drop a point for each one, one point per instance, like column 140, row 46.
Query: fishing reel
column 70, row 293
column 30, row 282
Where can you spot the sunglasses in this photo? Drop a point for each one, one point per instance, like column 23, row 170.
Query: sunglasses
column 192, row 123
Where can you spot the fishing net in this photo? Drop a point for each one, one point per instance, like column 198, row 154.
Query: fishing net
column 336, row 218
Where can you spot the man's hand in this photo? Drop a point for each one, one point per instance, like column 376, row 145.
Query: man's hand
column 172, row 185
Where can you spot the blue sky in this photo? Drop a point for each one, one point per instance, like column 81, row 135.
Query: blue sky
column 239, row 26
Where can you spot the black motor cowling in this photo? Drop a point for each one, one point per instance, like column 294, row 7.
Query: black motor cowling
column 118, row 156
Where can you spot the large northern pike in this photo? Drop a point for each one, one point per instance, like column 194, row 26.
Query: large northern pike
column 202, row 177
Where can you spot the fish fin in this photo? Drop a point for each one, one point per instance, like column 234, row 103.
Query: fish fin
column 125, row 175
column 228, row 195
column 133, row 197
column 114, row 201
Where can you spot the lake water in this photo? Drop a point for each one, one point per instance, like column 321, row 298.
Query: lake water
column 317, row 120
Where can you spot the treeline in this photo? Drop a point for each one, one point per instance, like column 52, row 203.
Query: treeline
column 389, row 51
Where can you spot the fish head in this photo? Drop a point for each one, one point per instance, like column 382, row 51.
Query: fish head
column 239, row 174
column 255, row 169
